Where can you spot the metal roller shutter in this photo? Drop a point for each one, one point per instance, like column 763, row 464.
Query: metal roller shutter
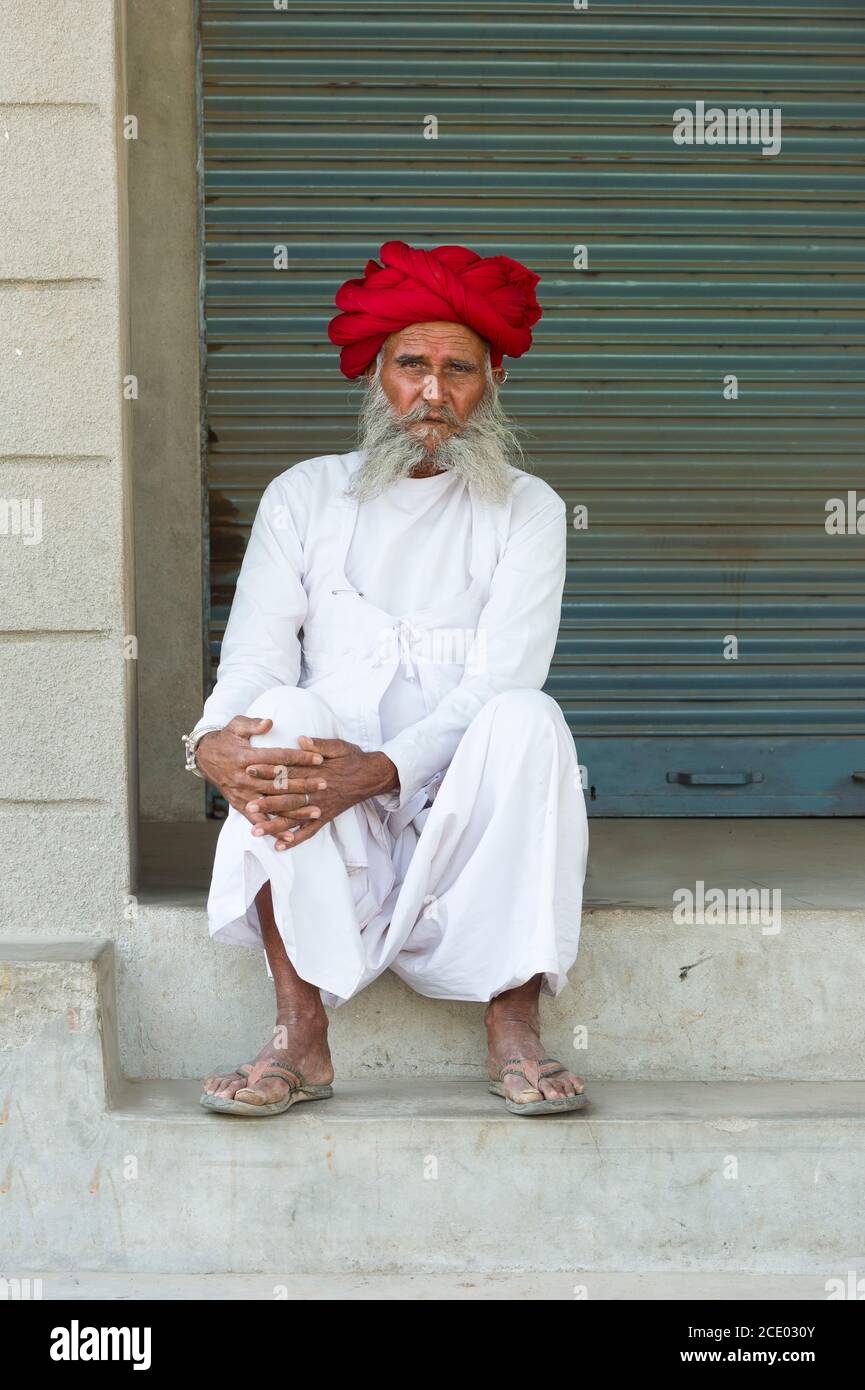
column 706, row 517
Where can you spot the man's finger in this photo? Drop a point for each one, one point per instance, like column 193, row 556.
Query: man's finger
column 245, row 727
column 289, row 757
column 239, row 804
column 330, row 747
column 280, row 779
column 297, row 837
column 285, row 806
column 261, row 781
column 281, row 825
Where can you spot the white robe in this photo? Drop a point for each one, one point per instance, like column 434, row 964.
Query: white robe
column 422, row 623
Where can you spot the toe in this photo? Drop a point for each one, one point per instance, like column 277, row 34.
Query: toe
column 521, row 1093
column 561, row 1086
column 265, row 1092
column 550, row 1088
column 249, row 1096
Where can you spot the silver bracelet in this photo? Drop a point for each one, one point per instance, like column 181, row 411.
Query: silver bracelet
column 191, row 742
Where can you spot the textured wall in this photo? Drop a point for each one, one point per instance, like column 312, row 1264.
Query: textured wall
column 67, row 782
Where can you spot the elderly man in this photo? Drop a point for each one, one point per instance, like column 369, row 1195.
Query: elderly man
column 402, row 794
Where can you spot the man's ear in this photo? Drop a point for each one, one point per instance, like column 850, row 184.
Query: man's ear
column 500, row 375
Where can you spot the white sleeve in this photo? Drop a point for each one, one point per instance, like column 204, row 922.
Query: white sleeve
column 261, row 648
column 513, row 648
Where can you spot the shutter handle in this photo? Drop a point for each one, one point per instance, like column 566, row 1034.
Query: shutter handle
column 858, row 776
column 716, row 779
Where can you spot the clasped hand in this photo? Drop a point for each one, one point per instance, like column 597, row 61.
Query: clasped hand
column 291, row 793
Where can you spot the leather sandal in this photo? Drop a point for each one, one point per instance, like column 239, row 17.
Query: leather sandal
column 299, row 1089
column 530, row 1070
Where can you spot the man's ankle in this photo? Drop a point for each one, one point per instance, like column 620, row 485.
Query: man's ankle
column 510, row 1017
column 310, row 1013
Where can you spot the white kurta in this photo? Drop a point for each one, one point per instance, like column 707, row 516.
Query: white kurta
column 410, row 547
column 423, row 623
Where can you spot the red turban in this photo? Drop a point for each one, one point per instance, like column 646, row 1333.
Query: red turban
column 491, row 294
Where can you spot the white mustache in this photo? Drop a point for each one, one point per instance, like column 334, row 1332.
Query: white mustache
column 418, row 413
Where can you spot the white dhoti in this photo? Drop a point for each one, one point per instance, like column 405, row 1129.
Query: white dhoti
column 476, row 894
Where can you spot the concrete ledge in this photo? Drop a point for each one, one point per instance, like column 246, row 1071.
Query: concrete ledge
column 655, row 1000
column 621, row 1108
column 409, row 1176
column 58, row 1016
column 61, row 950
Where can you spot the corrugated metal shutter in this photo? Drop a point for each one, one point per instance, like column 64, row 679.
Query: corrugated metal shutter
column 706, row 517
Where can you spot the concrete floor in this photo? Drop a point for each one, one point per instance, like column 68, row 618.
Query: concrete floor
column 632, row 863
column 482, row 1288
column 620, row 1109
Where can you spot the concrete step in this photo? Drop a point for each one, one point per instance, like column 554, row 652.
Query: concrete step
column 410, row 1175
column 434, row 1174
column 648, row 999
column 402, row 1175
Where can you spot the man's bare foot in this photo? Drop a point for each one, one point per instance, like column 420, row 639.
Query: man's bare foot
column 513, row 1030
column 299, row 1039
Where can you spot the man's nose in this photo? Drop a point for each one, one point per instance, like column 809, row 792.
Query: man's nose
column 432, row 389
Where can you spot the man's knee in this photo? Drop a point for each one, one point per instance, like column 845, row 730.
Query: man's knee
column 294, row 711
column 519, row 711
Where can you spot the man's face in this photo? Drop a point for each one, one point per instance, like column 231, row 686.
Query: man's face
column 439, row 371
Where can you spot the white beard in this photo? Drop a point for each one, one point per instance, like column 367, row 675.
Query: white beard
column 480, row 453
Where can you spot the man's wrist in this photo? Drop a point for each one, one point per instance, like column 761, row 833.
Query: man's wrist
column 385, row 773
column 192, row 743
column 205, row 735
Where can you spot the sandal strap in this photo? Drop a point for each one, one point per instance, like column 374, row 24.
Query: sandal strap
column 517, row 1066
column 280, row 1071
column 513, row 1066
column 277, row 1076
column 558, row 1068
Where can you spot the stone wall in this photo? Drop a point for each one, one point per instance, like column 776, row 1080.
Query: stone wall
column 67, row 670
